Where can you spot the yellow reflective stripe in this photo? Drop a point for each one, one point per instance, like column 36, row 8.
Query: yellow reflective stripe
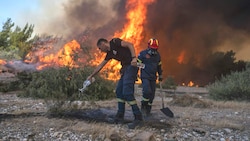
column 132, row 102
column 157, row 42
column 151, row 41
column 159, row 63
column 145, row 99
column 140, row 61
column 150, row 104
column 120, row 100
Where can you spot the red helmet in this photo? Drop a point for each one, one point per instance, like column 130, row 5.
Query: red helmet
column 153, row 43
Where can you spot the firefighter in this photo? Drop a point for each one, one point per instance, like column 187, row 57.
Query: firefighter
column 124, row 52
column 152, row 60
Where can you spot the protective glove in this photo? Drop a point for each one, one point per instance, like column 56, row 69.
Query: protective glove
column 160, row 78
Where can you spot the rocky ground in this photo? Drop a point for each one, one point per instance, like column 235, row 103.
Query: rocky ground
column 26, row 119
column 195, row 118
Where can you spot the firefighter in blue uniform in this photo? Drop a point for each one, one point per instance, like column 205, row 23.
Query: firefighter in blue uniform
column 124, row 52
column 152, row 60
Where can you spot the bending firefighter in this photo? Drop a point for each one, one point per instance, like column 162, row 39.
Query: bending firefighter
column 124, row 52
column 152, row 60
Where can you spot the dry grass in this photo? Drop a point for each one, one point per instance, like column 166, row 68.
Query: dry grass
column 188, row 100
column 224, row 123
column 107, row 103
column 230, row 104
column 194, row 111
column 194, row 101
column 102, row 130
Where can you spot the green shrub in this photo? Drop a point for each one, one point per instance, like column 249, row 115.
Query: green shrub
column 232, row 87
column 63, row 84
column 169, row 83
column 9, row 86
column 59, row 88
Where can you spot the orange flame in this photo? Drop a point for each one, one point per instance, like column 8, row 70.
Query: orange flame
column 132, row 30
column 191, row 83
column 180, row 58
column 136, row 18
column 64, row 57
column 2, row 62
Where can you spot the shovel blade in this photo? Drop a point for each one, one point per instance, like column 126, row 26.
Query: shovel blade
column 167, row 112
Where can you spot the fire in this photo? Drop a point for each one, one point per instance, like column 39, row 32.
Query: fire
column 180, row 58
column 191, row 83
column 136, row 18
column 2, row 62
column 64, row 57
column 132, row 30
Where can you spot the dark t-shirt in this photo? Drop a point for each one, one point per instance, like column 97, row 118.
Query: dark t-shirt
column 118, row 52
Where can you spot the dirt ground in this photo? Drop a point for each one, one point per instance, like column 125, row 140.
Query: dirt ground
column 201, row 119
column 195, row 118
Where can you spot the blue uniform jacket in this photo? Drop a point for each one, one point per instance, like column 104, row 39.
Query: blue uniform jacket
column 152, row 65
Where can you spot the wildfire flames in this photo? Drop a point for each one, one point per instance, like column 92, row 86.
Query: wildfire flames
column 131, row 32
column 64, row 57
column 180, row 58
column 2, row 62
column 68, row 54
column 136, row 17
column 190, row 84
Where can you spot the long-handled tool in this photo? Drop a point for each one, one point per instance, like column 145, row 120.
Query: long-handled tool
column 86, row 83
column 164, row 110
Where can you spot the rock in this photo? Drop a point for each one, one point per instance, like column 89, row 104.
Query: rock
column 228, row 131
column 130, row 135
column 144, row 136
column 200, row 131
column 115, row 137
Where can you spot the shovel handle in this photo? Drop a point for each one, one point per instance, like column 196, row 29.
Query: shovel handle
column 161, row 95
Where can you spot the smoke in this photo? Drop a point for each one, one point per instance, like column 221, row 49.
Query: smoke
column 69, row 18
column 198, row 28
column 89, row 14
column 191, row 28
column 47, row 17
column 202, row 26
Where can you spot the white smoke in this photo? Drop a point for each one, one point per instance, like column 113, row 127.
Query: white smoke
column 60, row 17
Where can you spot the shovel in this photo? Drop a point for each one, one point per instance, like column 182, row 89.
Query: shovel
column 166, row 110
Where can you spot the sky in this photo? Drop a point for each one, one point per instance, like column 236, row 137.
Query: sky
column 36, row 12
column 18, row 11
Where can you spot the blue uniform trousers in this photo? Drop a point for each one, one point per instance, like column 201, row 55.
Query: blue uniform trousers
column 125, row 90
column 148, row 91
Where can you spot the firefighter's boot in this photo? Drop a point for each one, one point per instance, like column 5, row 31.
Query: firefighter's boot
column 119, row 118
column 144, row 107
column 137, row 122
column 148, row 110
